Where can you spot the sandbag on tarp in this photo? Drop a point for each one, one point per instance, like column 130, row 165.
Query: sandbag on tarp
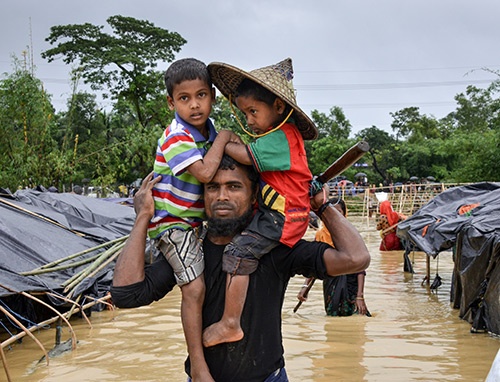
column 28, row 242
column 435, row 226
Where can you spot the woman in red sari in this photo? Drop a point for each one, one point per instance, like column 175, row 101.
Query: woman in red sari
column 387, row 225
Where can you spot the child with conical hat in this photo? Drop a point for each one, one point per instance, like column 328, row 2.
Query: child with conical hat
column 266, row 98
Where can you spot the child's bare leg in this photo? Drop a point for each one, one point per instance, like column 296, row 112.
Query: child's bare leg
column 228, row 329
column 193, row 295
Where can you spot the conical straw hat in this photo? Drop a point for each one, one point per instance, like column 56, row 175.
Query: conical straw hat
column 276, row 78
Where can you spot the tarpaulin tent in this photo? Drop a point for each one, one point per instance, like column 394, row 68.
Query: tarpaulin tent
column 464, row 219
column 37, row 228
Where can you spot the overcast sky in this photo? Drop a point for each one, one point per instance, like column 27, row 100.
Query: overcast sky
column 368, row 57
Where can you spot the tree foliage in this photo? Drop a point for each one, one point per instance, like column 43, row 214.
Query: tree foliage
column 116, row 146
column 29, row 152
column 226, row 117
column 333, row 139
column 122, row 62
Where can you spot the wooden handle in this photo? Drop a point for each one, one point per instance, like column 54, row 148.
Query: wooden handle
column 347, row 159
column 309, row 286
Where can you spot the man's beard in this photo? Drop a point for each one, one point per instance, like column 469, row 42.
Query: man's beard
column 218, row 227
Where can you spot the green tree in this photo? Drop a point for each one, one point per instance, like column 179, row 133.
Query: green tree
column 409, row 124
column 333, row 139
column 86, row 130
column 381, row 154
column 224, row 118
column 30, row 155
column 335, row 124
column 478, row 155
column 475, row 135
column 123, row 62
column 477, row 110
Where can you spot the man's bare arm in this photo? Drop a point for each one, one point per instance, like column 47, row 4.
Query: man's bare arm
column 129, row 268
column 350, row 254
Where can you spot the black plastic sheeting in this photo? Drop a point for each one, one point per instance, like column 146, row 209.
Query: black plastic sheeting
column 474, row 238
column 28, row 242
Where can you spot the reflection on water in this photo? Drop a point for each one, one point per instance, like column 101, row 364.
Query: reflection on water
column 414, row 335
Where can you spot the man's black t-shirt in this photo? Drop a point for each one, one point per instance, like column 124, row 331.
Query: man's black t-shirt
column 260, row 352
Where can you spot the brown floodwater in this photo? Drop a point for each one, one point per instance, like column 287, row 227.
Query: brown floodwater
column 413, row 335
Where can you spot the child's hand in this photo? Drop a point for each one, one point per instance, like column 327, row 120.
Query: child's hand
column 235, row 138
column 320, row 198
column 231, row 137
column 225, row 135
column 315, row 187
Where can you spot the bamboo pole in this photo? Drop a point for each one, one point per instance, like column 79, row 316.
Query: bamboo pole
column 365, row 204
column 74, row 303
column 389, row 228
column 70, row 257
column 99, row 260
column 74, row 264
column 401, row 198
column 77, row 300
column 49, row 321
column 96, row 265
column 46, row 322
column 5, row 366
column 39, row 216
column 27, row 295
column 412, row 203
column 109, row 260
column 71, row 331
column 18, row 323
column 101, row 301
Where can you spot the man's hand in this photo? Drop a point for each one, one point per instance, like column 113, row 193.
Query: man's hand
column 143, row 199
column 129, row 268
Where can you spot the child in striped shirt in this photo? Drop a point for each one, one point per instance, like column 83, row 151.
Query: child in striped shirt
column 188, row 154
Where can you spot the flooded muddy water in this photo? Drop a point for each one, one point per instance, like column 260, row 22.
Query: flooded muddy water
column 413, row 335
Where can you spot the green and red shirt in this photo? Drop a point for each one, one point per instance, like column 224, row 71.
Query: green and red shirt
column 280, row 158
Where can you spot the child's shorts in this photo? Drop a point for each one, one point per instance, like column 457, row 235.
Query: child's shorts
column 184, row 252
column 242, row 254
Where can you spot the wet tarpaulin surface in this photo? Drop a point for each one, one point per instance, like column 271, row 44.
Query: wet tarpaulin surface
column 66, row 224
column 434, row 227
column 467, row 220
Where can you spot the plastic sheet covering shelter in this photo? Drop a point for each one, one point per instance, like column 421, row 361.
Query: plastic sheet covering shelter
column 466, row 220
column 37, row 228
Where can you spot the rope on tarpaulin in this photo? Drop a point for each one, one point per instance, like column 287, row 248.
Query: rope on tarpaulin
column 20, row 317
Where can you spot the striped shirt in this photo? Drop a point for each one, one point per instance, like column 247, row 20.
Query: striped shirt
column 179, row 195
